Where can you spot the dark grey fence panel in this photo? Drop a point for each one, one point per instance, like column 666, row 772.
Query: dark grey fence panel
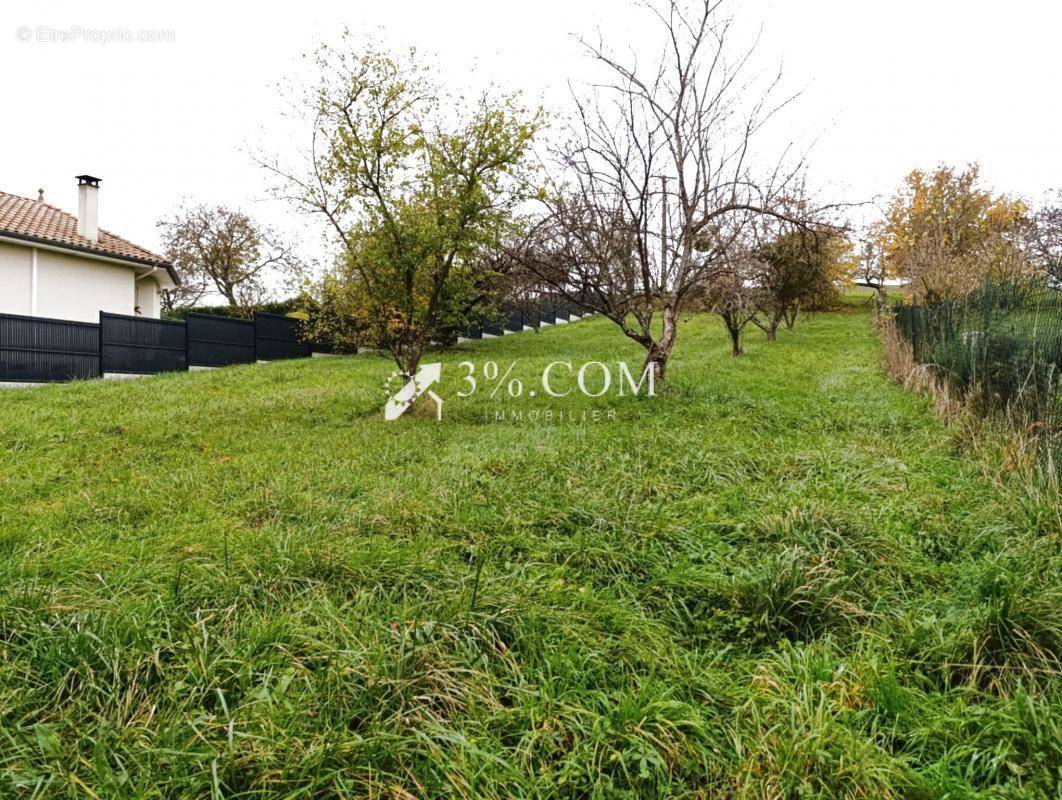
column 141, row 345
column 579, row 306
column 277, row 337
column 36, row 349
column 218, row 341
column 514, row 318
column 40, row 349
column 547, row 310
column 560, row 308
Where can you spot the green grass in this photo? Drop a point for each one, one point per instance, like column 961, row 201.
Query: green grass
column 780, row 578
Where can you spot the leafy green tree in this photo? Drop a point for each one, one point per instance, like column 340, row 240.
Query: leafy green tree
column 417, row 187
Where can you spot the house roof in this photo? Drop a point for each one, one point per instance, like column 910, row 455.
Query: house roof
column 37, row 221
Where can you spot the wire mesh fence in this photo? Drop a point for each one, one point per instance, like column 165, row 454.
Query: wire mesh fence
column 1000, row 346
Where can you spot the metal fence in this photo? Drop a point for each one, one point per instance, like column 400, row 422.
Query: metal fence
column 547, row 311
column 514, row 318
column 277, row 337
column 1000, row 346
column 141, row 346
column 543, row 310
column 34, row 349
column 218, row 341
column 531, row 318
column 39, row 349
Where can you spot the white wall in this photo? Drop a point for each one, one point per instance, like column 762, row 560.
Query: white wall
column 147, row 297
column 69, row 287
column 15, row 271
column 72, row 286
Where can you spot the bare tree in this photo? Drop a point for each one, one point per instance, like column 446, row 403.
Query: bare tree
column 660, row 177
column 1046, row 240
column 872, row 270
column 223, row 249
column 191, row 290
column 731, row 295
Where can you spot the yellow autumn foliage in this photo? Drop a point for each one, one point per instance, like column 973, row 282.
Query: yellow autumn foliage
column 945, row 233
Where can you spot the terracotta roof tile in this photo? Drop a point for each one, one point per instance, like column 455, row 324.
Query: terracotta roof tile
column 22, row 217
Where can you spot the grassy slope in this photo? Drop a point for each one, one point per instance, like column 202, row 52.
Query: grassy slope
column 777, row 577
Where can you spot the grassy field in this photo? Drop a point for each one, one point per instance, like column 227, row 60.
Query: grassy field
column 780, row 578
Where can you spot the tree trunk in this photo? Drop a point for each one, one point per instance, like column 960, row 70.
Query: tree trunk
column 411, row 366
column 882, row 301
column 735, row 335
column 790, row 317
column 770, row 327
column 657, row 361
column 414, row 350
column 659, row 351
column 229, row 293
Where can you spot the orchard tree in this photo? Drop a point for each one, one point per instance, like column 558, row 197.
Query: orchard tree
column 871, row 269
column 799, row 268
column 193, row 287
column 944, row 232
column 730, row 294
column 222, row 249
column 1046, row 240
column 417, row 189
column 662, row 177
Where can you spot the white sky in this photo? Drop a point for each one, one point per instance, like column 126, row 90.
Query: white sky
column 887, row 86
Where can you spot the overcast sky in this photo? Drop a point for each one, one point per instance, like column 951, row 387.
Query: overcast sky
column 885, row 87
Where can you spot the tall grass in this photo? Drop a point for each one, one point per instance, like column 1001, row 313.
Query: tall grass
column 999, row 349
column 780, row 578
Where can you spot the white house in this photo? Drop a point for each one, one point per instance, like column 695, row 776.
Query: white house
column 54, row 264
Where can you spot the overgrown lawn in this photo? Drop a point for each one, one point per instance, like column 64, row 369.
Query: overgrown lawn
column 779, row 578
